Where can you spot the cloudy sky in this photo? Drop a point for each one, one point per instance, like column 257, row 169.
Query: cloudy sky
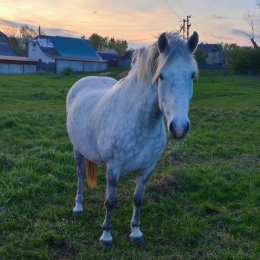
column 137, row 21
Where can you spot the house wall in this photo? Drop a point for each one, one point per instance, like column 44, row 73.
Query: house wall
column 6, row 68
column 80, row 66
column 95, row 66
column 35, row 53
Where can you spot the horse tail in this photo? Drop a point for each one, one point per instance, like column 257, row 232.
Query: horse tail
column 91, row 173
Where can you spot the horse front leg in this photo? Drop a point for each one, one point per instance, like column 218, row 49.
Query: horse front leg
column 81, row 170
column 112, row 177
column 141, row 181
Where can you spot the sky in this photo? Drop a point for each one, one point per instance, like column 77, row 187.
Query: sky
column 138, row 22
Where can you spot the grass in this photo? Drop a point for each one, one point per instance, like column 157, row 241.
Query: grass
column 201, row 203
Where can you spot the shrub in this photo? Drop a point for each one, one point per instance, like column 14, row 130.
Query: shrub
column 67, row 71
column 243, row 60
column 199, row 56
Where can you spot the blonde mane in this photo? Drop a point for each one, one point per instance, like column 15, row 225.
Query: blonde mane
column 146, row 63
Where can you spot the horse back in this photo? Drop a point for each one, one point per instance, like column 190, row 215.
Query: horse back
column 93, row 87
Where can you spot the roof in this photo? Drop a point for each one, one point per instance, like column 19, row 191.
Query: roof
column 128, row 55
column 208, row 47
column 3, row 37
column 6, row 50
column 16, row 60
column 69, row 47
column 108, row 55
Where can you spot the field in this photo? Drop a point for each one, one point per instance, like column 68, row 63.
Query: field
column 201, row 203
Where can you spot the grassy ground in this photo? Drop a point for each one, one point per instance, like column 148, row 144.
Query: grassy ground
column 201, row 203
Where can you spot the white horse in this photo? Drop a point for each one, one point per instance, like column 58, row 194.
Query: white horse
column 121, row 124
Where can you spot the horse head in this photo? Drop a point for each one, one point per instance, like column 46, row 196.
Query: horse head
column 175, row 73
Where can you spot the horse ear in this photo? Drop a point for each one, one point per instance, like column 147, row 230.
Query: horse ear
column 162, row 42
column 193, row 42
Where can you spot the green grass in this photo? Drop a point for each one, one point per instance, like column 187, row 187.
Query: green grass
column 201, row 203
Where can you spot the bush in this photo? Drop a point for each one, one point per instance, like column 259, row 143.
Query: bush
column 243, row 60
column 199, row 56
column 67, row 71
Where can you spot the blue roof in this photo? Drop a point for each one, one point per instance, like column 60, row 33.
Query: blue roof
column 6, row 50
column 108, row 55
column 73, row 47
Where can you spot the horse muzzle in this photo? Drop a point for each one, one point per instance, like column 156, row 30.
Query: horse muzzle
column 179, row 131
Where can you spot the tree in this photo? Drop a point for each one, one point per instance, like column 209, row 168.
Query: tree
column 27, row 33
column 252, row 21
column 103, row 43
column 119, row 45
column 199, row 55
column 252, row 27
column 99, row 42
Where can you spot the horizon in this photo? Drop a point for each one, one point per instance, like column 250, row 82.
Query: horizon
column 135, row 21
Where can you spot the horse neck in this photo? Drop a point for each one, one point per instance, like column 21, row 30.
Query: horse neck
column 145, row 102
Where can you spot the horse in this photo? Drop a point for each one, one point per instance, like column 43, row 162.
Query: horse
column 122, row 123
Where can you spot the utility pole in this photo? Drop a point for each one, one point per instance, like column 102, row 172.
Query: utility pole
column 185, row 27
column 39, row 30
column 188, row 26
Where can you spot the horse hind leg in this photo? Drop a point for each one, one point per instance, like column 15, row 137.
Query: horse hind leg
column 112, row 177
column 81, row 171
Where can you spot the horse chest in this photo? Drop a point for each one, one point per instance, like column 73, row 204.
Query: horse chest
column 138, row 150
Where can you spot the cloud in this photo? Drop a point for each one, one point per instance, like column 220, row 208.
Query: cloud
column 218, row 17
column 8, row 23
column 239, row 32
column 60, row 32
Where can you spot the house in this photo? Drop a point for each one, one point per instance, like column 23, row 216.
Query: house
column 126, row 60
column 10, row 63
column 212, row 54
column 55, row 53
column 111, row 56
column 4, row 47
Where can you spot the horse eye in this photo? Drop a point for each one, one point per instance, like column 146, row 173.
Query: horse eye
column 161, row 77
column 193, row 75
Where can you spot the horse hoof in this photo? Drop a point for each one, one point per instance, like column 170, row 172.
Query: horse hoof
column 138, row 240
column 78, row 209
column 106, row 239
column 105, row 243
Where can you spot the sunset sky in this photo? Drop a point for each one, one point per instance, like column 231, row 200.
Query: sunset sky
column 136, row 21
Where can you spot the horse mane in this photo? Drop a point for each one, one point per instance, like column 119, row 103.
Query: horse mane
column 146, row 63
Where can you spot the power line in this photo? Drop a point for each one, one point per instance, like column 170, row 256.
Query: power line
column 182, row 6
column 141, row 40
column 170, row 8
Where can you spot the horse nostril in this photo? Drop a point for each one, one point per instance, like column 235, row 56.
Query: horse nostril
column 172, row 129
column 178, row 132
